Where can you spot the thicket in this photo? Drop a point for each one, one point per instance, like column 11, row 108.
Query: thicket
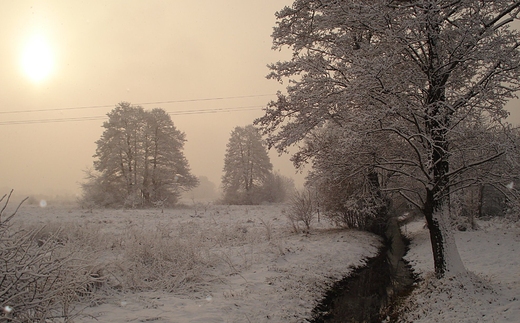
column 40, row 279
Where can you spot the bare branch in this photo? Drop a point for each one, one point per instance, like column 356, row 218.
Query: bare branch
column 6, row 202
column 474, row 164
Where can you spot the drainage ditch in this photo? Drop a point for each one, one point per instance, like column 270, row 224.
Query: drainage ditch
column 370, row 291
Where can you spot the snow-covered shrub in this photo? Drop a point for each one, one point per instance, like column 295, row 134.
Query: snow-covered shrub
column 351, row 205
column 97, row 193
column 40, row 281
column 302, row 209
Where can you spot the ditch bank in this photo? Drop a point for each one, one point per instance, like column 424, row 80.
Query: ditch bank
column 370, row 292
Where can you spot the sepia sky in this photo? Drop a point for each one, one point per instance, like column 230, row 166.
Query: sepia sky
column 65, row 64
column 203, row 61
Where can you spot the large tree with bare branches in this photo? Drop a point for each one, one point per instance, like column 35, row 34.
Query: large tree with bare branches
column 421, row 73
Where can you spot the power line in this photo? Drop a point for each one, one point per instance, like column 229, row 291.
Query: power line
column 20, row 122
column 142, row 103
column 215, row 110
column 182, row 112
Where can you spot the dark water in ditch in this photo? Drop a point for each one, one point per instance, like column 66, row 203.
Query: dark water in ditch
column 369, row 291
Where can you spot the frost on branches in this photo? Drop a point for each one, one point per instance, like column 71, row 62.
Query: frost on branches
column 139, row 160
column 426, row 78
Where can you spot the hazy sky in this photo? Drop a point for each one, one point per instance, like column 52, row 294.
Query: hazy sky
column 142, row 52
column 105, row 52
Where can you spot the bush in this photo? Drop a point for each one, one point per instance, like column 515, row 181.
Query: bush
column 39, row 282
column 277, row 188
column 301, row 209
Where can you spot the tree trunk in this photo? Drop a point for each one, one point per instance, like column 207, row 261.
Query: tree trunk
column 446, row 257
column 436, row 237
column 437, row 122
column 381, row 212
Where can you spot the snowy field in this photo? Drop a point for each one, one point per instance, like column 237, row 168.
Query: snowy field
column 255, row 268
column 491, row 290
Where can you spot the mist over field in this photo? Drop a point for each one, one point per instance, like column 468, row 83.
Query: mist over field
column 142, row 142
column 201, row 62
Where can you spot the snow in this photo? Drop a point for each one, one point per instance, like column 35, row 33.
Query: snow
column 279, row 275
column 272, row 275
column 488, row 292
column 454, row 265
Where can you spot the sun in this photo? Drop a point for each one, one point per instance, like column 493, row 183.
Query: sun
column 37, row 59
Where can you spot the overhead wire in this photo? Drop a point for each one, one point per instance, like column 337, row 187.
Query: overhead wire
column 20, row 122
column 90, row 118
column 142, row 103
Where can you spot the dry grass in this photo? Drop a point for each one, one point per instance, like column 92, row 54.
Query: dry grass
column 152, row 260
column 40, row 279
column 179, row 251
column 229, row 251
column 137, row 254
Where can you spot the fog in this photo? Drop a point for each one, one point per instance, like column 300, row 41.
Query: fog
column 203, row 61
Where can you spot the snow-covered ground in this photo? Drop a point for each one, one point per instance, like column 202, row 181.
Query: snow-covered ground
column 490, row 292
column 264, row 272
column 261, row 270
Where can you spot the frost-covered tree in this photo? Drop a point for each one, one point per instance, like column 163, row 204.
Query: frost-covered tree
column 352, row 192
column 166, row 171
column 247, row 167
column 277, row 188
column 489, row 188
column 139, row 160
column 419, row 72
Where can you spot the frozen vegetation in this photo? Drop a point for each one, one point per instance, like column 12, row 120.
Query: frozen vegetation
column 204, row 263
column 211, row 263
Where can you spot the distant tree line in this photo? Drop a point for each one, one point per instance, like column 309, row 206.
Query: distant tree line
column 139, row 162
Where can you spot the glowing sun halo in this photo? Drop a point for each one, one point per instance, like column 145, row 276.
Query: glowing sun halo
column 37, row 59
